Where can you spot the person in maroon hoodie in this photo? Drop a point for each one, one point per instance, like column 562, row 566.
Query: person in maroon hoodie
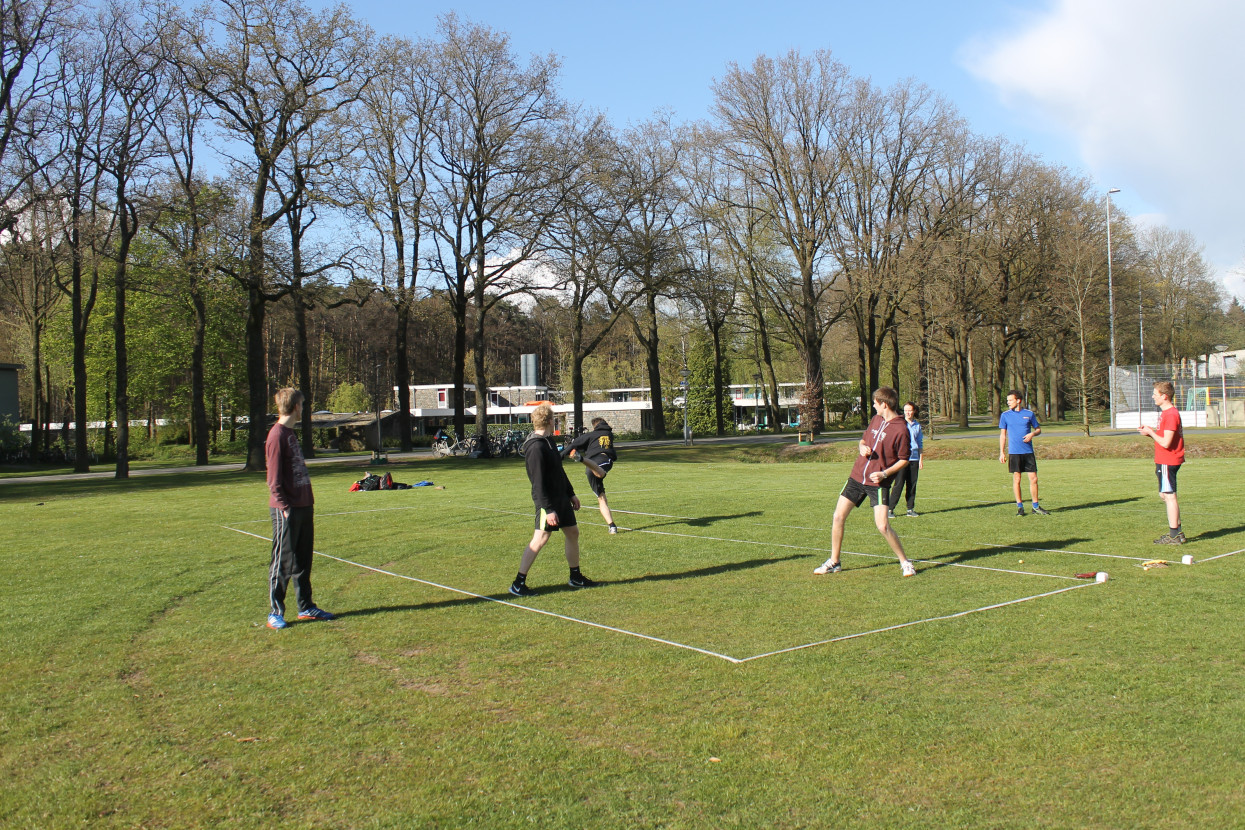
column 882, row 452
column 291, row 504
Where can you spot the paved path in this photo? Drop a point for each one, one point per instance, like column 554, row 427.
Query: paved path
column 362, row 461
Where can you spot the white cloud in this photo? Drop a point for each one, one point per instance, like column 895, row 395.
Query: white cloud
column 1153, row 93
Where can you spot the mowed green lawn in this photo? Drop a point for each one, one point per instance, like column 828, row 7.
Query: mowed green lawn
column 141, row 687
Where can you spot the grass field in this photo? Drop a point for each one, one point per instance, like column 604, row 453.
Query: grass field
column 713, row 681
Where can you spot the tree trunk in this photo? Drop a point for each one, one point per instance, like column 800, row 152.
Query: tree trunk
column 403, row 370
column 302, row 361
column 198, row 403
column 716, row 333
column 256, row 380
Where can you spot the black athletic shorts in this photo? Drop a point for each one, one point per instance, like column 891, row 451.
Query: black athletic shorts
column 566, row 517
column 855, row 492
column 1022, row 463
column 1167, row 477
column 597, row 485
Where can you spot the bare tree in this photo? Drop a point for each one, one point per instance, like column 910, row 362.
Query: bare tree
column 648, row 238
column 495, row 179
column 140, row 82
column 270, row 70
column 711, row 284
column 31, row 34
column 390, row 185
column 1184, row 293
column 782, row 120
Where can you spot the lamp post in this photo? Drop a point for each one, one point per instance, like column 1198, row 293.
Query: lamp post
column 687, row 428
column 756, row 401
column 1111, row 307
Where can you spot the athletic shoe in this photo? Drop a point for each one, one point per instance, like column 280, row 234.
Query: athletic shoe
column 520, row 589
column 912, row 514
column 828, row 568
column 277, row 621
column 1038, row 511
column 1171, row 539
column 613, row 529
column 890, row 514
column 312, row 614
column 908, row 568
column 1020, row 511
column 582, row 581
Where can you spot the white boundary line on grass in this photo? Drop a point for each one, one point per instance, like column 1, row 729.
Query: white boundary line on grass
column 789, row 547
column 917, row 622
column 1220, row 556
column 504, row 602
column 908, row 536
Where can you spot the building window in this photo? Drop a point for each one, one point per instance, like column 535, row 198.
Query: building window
column 441, row 397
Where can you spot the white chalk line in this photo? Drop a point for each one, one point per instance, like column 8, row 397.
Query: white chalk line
column 889, row 556
column 1220, row 556
column 916, row 622
column 909, row 536
column 504, row 602
column 706, row 652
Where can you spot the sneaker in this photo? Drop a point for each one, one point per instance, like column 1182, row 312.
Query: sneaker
column 1038, row 511
column 908, row 568
column 613, row 529
column 277, row 621
column 520, row 589
column 314, row 614
column 582, row 581
column 1171, row 539
column 890, row 514
column 912, row 514
column 1020, row 511
column 828, row 568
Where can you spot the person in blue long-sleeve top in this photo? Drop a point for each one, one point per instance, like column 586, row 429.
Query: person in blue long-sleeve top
column 906, row 478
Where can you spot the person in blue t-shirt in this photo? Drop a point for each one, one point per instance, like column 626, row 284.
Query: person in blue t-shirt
column 906, row 478
column 1017, row 429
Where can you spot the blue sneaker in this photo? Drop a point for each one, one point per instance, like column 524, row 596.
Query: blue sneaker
column 277, row 621
column 314, row 614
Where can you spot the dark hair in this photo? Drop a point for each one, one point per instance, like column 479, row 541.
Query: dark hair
column 916, row 410
column 888, row 396
column 1017, row 394
column 599, row 423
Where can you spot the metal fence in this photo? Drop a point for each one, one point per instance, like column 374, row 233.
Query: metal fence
column 1203, row 400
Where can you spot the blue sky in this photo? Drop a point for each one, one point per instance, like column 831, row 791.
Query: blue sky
column 1144, row 95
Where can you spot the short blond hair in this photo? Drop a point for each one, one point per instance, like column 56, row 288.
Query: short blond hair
column 288, row 400
column 1166, row 388
column 542, row 416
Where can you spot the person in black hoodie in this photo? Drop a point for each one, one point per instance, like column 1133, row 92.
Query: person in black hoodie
column 555, row 502
column 597, row 446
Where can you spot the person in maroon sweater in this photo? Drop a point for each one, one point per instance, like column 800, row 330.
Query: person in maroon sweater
column 882, row 452
column 291, row 505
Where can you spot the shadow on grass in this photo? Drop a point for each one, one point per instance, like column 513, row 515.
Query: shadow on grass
column 970, row 554
column 985, row 506
column 1089, row 505
column 564, row 588
column 703, row 521
column 1215, row 534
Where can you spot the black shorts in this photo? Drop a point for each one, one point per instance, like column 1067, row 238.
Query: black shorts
column 566, row 517
column 597, row 485
column 1167, row 477
column 1022, row 463
column 855, row 492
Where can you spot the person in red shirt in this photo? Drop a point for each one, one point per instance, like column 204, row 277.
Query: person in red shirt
column 1168, row 456
column 882, row 452
column 291, row 505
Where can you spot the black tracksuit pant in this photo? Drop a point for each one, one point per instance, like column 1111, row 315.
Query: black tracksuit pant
column 293, row 539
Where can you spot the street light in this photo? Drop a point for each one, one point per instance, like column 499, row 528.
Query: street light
column 756, row 400
column 687, row 428
column 1111, row 306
